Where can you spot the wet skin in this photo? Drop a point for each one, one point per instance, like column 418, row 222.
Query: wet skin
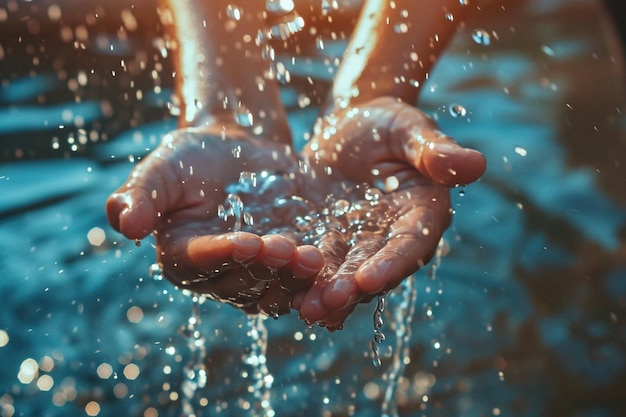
column 176, row 190
column 374, row 142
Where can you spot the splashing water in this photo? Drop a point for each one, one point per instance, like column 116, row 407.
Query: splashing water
column 261, row 379
column 379, row 336
column 279, row 6
column 233, row 205
column 457, row 110
column 156, row 271
column 243, row 116
column 481, row 37
column 402, row 319
column 195, row 371
column 260, row 376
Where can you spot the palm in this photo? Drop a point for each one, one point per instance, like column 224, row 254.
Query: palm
column 176, row 192
column 393, row 168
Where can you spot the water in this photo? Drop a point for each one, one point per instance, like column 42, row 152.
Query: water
column 534, row 273
column 260, row 377
column 195, row 371
column 379, row 336
column 481, row 37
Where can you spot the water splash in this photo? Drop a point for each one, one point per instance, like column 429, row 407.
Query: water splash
column 279, row 6
column 260, row 377
column 195, row 373
column 155, row 271
column 243, row 116
column 457, row 110
column 233, row 205
column 403, row 318
column 481, row 37
column 282, row 21
column 379, row 336
column 233, row 12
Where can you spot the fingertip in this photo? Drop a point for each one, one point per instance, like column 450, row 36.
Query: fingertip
column 116, row 206
column 340, row 293
column 277, row 251
column 245, row 245
column 134, row 218
column 452, row 165
column 308, row 262
column 372, row 276
column 312, row 308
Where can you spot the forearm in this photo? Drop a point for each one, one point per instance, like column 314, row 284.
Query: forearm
column 394, row 47
column 220, row 73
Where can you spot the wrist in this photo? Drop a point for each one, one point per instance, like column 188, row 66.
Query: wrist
column 220, row 71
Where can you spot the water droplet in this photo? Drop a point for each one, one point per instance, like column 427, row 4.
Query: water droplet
column 279, row 6
column 373, row 195
column 450, row 17
column 328, row 5
column 375, row 135
column 248, row 180
column 457, row 110
column 268, row 53
column 243, row 116
column 233, row 12
column 547, row 50
column 401, row 28
column 481, row 37
column 237, row 151
column 520, row 151
column 391, row 184
column 156, row 272
column 284, row 26
column 340, row 208
column 463, row 2
column 319, row 42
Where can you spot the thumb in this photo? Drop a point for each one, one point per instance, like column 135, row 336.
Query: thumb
column 135, row 208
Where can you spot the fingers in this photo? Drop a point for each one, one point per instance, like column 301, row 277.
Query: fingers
column 375, row 264
column 411, row 244
column 236, row 264
column 415, row 138
column 210, row 253
column 334, row 247
column 342, row 290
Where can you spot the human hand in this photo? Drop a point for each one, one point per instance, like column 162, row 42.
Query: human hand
column 175, row 192
column 390, row 169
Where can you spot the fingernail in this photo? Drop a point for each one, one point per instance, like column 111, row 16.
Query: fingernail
column 371, row 276
column 447, row 148
column 246, row 248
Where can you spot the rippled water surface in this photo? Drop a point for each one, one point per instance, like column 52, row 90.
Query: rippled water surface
column 525, row 314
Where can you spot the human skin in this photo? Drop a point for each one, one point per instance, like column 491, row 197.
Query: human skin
column 175, row 191
column 386, row 59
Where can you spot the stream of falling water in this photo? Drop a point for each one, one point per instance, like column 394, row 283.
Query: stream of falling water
column 195, row 371
column 401, row 315
column 402, row 319
column 261, row 379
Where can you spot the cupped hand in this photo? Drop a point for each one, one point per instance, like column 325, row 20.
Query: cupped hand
column 389, row 171
column 176, row 192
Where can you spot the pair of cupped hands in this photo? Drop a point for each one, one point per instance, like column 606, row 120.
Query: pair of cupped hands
column 367, row 248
